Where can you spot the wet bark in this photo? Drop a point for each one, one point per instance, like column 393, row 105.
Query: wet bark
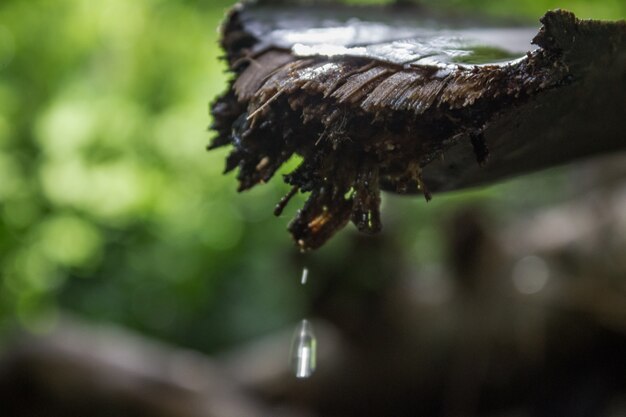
column 389, row 102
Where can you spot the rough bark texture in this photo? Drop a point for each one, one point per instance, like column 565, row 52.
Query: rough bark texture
column 404, row 116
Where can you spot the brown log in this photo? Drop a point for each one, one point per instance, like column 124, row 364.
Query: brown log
column 389, row 102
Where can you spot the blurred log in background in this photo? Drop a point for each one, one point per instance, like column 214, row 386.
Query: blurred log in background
column 525, row 319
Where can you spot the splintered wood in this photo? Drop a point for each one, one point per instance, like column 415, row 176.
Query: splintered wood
column 379, row 115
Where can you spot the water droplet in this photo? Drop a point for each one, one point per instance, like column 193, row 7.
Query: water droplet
column 303, row 356
column 305, row 276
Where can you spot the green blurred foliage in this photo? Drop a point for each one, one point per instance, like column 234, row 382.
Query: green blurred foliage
column 110, row 204
column 111, row 208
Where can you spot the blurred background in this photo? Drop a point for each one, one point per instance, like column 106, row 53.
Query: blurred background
column 119, row 233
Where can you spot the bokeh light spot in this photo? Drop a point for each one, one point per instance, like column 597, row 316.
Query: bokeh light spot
column 69, row 240
column 530, row 275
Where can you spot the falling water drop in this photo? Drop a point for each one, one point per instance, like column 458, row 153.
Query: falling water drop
column 303, row 350
column 305, row 276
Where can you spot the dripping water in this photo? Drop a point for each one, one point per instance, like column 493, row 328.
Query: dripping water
column 303, row 355
column 304, row 350
column 305, row 276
